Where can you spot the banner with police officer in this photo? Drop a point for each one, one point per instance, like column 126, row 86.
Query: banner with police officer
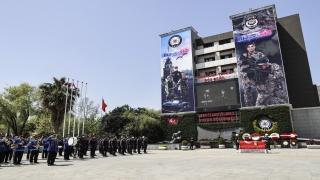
column 177, row 73
column 260, row 68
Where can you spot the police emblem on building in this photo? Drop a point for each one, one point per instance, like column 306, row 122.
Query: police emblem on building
column 265, row 123
column 175, row 41
column 251, row 22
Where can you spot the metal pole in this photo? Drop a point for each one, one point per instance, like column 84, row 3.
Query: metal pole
column 70, row 107
column 75, row 109
column 79, row 118
column 65, row 110
column 84, row 111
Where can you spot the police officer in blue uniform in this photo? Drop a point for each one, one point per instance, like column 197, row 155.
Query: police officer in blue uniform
column 34, row 151
column 45, row 146
column 18, row 150
column 67, row 148
column 52, row 149
column 2, row 150
column 9, row 150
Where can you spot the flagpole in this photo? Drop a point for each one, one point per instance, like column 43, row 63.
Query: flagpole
column 70, row 107
column 75, row 110
column 84, row 111
column 79, row 118
column 65, row 110
column 101, row 108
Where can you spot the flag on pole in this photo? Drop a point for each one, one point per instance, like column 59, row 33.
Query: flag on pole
column 74, row 86
column 104, row 105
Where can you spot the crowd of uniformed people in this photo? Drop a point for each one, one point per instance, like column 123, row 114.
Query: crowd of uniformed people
column 12, row 149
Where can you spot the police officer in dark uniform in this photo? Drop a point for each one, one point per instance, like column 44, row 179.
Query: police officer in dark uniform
column 184, row 88
column 87, row 146
column 110, row 146
column 176, row 75
column 267, row 143
column 114, row 145
column 134, row 144
column 191, row 143
column 82, row 146
column 93, row 146
column 123, row 143
column 139, row 143
column 105, row 146
column 128, row 145
column 52, row 149
column 33, row 150
column 67, row 148
column 60, row 146
column 119, row 145
column 145, row 144
column 237, row 141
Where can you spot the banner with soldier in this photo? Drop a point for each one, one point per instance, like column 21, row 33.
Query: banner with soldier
column 260, row 68
column 177, row 73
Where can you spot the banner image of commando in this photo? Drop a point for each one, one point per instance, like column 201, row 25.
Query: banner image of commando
column 260, row 67
column 176, row 74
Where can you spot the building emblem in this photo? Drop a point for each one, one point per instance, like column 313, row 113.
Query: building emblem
column 251, row 22
column 175, row 41
column 265, row 124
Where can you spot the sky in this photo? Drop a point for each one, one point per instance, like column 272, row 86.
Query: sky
column 114, row 46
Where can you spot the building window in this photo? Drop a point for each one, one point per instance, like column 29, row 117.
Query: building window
column 210, row 72
column 226, row 56
column 225, row 41
column 208, row 45
column 227, row 70
column 209, row 59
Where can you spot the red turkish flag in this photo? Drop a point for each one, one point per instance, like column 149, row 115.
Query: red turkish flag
column 104, row 105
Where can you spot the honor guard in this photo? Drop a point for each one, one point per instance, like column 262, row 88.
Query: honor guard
column 52, row 149
column 267, row 143
column 93, row 146
column 67, row 148
column 237, row 141
column 110, row 146
column 33, row 146
column 191, row 143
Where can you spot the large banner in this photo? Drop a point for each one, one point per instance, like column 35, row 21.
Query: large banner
column 177, row 73
column 260, row 68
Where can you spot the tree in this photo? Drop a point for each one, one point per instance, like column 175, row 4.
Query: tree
column 16, row 106
column 88, row 112
column 53, row 98
column 114, row 121
column 144, row 122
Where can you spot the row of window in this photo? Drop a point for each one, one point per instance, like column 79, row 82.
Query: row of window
column 211, row 44
column 224, row 71
column 221, row 57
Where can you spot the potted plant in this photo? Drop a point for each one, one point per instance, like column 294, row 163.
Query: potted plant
column 221, row 143
column 162, row 147
column 184, row 145
column 205, row 145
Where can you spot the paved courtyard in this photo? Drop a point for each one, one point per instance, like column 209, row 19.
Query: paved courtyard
column 300, row 164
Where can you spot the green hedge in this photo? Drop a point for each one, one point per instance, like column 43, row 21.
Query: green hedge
column 186, row 124
column 279, row 114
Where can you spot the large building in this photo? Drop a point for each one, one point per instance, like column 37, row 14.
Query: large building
column 216, row 79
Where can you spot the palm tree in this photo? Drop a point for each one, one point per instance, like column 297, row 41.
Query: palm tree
column 53, row 98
